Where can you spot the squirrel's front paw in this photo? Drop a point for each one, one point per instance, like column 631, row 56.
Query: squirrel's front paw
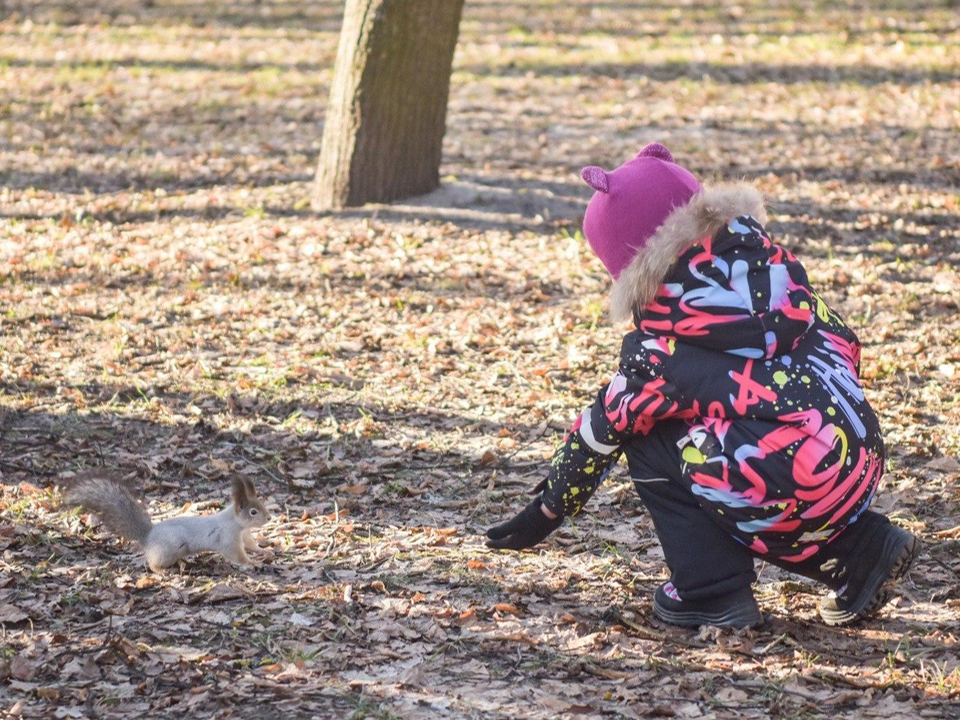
column 250, row 543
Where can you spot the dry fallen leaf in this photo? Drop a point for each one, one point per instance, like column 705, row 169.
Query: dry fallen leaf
column 354, row 489
column 507, row 608
column 12, row 614
column 22, row 668
column 944, row 464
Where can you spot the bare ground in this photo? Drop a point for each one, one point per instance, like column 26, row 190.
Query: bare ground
column 394, row 378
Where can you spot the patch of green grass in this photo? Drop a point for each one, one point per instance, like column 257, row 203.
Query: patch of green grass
column 24, row 507
column 300, row 655
column 83, row 72
column 909, row 302
column 367, row 708
column 44, row 262
column 937, row 676
column 39, row 569
column 109, row 700
column 70, row 598
column 270, row 81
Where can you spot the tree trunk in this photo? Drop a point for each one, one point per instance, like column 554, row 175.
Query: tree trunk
column 388, row 104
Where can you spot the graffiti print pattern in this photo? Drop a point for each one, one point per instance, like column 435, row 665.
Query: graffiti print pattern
column 782, row 450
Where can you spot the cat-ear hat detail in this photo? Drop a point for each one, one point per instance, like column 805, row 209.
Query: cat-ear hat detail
column 645, row 213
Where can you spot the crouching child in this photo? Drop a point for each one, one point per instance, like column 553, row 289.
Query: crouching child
column 737, row 404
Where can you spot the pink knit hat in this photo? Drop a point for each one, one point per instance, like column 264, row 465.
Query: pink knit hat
column 631, row 202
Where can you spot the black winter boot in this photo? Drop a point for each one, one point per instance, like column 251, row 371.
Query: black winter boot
column 737, row 609
column 869, row 583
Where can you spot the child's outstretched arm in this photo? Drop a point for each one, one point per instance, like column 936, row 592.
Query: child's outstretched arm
column 630, row 405
column 582, row 461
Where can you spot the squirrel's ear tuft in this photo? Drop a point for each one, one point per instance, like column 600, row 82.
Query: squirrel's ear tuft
column 239, row 492
column 251, row 488
column 596, row 178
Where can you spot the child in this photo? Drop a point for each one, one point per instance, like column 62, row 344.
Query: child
column 737, row 403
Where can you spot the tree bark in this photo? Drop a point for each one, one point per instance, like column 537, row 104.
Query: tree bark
column 383, row 135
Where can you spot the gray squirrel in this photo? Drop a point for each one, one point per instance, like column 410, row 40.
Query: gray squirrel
column 228, row 532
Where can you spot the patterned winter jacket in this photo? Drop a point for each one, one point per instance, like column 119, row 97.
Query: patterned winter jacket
column 781, row 444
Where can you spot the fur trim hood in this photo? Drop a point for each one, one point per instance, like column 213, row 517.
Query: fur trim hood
column 706, row 213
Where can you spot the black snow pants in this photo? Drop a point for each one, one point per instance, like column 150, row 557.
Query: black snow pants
column 704, row 560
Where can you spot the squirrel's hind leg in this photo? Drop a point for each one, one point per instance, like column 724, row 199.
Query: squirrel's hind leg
column 158, row 559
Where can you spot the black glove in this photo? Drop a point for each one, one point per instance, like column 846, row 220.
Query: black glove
column 525, row 530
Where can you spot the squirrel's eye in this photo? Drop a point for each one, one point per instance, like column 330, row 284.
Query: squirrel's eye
column 253, row 511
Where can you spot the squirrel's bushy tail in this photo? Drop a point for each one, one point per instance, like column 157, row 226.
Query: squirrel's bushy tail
column 113, row 502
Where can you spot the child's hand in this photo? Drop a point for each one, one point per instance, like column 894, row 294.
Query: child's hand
column 525, row 530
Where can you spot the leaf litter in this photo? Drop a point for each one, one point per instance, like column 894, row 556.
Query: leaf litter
column 394, row 378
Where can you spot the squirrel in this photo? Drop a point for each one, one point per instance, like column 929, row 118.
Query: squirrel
column 228, row 532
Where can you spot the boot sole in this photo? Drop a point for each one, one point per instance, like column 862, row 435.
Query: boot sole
column 879, row 591
column 737, row 617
